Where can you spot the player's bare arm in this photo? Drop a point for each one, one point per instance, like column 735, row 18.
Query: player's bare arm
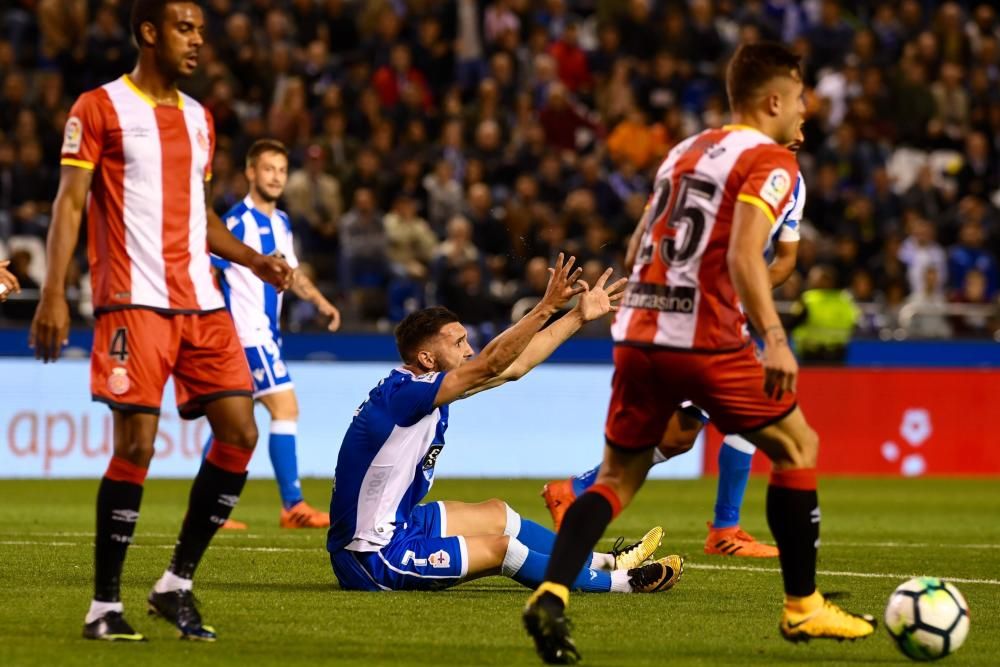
column 304, row 288
column 8, row 281
column 753, row 286
column 50, row 327
column 593, row 304
column 634, row 241
column 221, row 242
column 783, row 264
column 502, row 351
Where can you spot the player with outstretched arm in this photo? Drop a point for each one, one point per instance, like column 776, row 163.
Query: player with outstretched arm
column 383, row 538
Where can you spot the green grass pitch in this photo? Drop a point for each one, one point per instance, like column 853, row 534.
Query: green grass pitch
column 271, row 595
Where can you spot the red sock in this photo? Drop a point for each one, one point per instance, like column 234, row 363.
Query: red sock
column 229, row 457
column 123, row 470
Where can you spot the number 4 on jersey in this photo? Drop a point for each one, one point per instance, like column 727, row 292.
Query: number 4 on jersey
column 119, row 345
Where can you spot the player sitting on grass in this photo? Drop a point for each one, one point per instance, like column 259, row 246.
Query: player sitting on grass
column 382, row 538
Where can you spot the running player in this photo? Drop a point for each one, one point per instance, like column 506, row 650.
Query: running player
column 256, row 309
column 143, row 152
column 383, row 539
column 725, row 537
column 681, row 334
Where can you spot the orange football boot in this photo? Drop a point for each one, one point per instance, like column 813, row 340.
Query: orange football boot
column 301, row 515
column 233, row 524
column 734, row 541
column 558, row 497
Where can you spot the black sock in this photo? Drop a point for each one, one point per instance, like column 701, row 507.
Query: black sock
column 213, row 496
column 117, row 513
column 581, row 528
column 793, row 515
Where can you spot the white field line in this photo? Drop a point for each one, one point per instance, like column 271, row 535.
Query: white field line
column 667, row 539
column 691, row 566
column 835, row 573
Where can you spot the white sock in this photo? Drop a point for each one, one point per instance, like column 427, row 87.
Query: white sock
column 739, row 443
column 98, row 609
column 620, row 582
column 171, row 582
column 513, row 526
column 658, row 456
column 284, row 427
column 599, row 561
column 514, row 559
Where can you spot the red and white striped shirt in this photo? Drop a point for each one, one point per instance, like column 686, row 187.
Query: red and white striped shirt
column 147, row 224
column 680, row 294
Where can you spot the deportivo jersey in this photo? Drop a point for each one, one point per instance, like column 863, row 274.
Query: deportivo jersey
column 255, row 305
column 386, row 462
column 786, row 228
column 146, row 217
column 680, row 294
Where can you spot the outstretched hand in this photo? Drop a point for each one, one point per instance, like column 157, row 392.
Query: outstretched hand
column 564, row 284
column 597, row 301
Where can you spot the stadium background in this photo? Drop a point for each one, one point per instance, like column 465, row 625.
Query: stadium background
column 443, row 151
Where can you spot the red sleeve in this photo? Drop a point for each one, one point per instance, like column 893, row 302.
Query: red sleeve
column 83, row 138
column 210, row 122
column 770, row 181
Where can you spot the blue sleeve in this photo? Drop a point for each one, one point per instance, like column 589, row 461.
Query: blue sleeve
column 234, row 222
column 413, row 398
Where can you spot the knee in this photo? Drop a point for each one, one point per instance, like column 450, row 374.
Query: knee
column 288, row 413
column 137, row 450
column 809, row 449
column 802, row 452
column 498, row 513
column 678, row 443
column 243, row 434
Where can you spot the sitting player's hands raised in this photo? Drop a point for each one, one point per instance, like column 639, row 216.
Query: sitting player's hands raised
column 564, row 284
column 597, row 301
column 272, row 269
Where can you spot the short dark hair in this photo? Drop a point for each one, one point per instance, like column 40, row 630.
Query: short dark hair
column 262, row 146
column 753, row 65
column 417, row 327
column 148, row 11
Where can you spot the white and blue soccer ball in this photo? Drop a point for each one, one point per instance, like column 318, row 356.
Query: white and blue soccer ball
column 928, row 618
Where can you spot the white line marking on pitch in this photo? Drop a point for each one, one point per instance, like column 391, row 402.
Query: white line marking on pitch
column 834, row 573
column 691, row 566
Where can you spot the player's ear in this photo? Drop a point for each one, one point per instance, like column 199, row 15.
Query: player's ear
column 148, row 32
column 425, row 359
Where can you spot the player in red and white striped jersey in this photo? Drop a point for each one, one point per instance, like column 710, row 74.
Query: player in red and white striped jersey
column 143, row 151
column 681, row 334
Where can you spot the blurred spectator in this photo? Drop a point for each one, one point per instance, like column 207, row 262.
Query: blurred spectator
column 978, row 175
column 313, row 196
column 825, row 318
column 969, row 255
column 562, row 121
column 924, row 313
column 635, row 141
column 571, row 61
column 974, row 293
column 390, row 79
column 363, row 246
column 444, row 195
column 919, row 251
column 34, row 188
column 289, row 121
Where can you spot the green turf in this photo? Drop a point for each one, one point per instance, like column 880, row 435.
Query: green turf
column 272, row 597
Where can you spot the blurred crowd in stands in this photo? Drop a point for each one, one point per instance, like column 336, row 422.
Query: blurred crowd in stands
column 442, row 151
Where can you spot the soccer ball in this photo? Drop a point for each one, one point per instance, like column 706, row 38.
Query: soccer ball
column 927, row 617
